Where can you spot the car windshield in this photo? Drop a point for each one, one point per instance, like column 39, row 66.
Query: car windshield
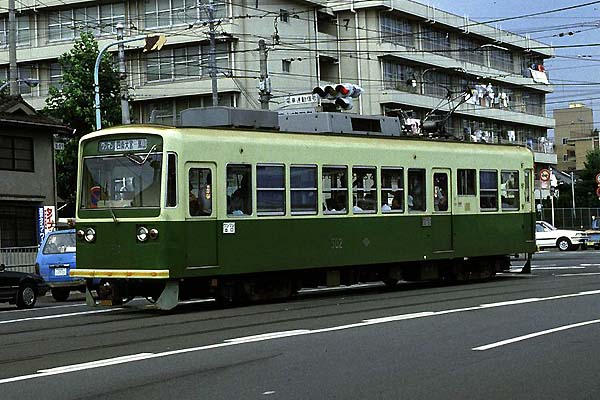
column 128, row 180
column 60, row 243
column 547, row 226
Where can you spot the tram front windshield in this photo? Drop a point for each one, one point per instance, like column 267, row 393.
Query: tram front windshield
column 121, row 181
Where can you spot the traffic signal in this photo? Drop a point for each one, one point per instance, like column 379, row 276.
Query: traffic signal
column 154, row 43
column 341, row 94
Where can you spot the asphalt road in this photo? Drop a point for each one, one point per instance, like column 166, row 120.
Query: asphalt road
column 517, row 336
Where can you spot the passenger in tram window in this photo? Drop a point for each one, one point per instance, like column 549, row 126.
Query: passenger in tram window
column 385, row 207
column 239, row 203
column 397, row 201
column 341, row 202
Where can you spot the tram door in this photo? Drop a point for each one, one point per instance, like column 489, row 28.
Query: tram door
column 441, row 224
column 201, row 215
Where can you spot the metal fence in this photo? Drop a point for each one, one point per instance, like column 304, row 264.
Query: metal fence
column 569, row 218
column 19, row 258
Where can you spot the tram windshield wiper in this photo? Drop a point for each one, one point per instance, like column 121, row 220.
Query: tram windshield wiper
column 136, row 158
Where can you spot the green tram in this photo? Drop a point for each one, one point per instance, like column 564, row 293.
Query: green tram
column 173, row 213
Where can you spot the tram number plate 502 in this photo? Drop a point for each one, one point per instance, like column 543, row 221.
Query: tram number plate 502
column 228, row 227
column 336, row 243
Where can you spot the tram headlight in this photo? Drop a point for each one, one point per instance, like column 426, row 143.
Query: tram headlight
column 80, row 234
column 142, row 234
column 90, row 235
column 153, row 233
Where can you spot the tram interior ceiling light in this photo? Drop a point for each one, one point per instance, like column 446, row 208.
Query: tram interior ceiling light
column 90, row 235
column 142, row 234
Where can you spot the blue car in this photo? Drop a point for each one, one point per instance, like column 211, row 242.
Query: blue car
column 55, row 259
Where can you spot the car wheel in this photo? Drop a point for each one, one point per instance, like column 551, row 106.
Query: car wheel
column 61, row 294
column 563, row 244
column 26, row 296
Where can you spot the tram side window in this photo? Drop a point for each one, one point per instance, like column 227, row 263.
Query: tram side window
column 392, row 190
column 303, row 189
column 270, row 189
column 416, row 190
column 200, row 188
column 510, row 190
column 488, row 190
column 335, row 190
column 466, row 182
column 528, row 175
column 171, row 180
column 440, row 192
column 239, row 195
column 364, row 189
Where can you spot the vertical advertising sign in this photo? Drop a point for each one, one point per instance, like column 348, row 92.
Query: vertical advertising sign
column 46, row 221
column 40, row 224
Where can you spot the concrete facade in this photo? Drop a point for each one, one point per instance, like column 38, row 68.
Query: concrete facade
column 573, row 135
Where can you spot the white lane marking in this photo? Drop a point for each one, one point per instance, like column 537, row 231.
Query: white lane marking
column 532, row 335
column 43, row 317
column 42, row 308
column 278, row 335
column 269, row 392
column 580, row 274
column 553, row 268
column 96, row 364
column 590, row 265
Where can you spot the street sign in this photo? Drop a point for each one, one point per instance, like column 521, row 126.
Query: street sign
column 598, row 179
column 598, row 192
column 301, row 99
column 545, row 175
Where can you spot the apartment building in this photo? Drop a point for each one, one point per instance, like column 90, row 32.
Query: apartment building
column 574, row 136
column 378, row 44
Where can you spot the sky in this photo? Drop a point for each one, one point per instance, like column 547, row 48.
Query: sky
column 571, row 66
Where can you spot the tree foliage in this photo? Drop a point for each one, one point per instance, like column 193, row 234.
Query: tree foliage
column 74, row 105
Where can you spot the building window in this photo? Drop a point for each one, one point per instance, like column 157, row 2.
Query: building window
column 335, row 190
column 56, row 75
column 16, row 153
column 167, row 112
column 466, row 182
column 488, row 190
column 565, row 140
column 270, row 190
column 397, row 30
column 435, row 39
column 185, row 62
column 23, row 31
column 396, row 76
column 61, row 25
column 501, row 59
column 416, row 190
column 435, row 84
column 285, row 66
column 164, row 13
column 110, row 16
column 239, row 190
column 510, row 190
column 17, row 225
column 364, row 189
column 303, row 189
column 565, row 157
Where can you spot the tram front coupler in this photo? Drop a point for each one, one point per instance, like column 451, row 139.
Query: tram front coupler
column 117, row 292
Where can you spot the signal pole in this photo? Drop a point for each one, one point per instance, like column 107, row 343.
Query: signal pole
column 12, row 48
column 125, row 119
column 213, row 50
column 264, row 86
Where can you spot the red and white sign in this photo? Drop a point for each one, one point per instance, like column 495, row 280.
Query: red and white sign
column 598, row 179
column 49, row 218
column 544, row 175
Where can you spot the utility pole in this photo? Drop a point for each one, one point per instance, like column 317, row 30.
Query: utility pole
column 264, row 86
column 12, row 48
column 125, row 119
column 213, row 56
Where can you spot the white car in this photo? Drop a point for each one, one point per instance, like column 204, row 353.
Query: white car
column 547, row 235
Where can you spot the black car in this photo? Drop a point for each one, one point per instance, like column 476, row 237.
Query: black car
column 20, row 288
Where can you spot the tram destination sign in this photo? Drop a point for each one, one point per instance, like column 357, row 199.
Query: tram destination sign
column 119, row 145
